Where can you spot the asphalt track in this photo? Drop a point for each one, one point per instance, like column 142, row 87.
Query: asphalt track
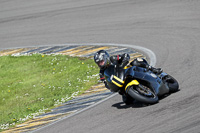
column 170, row 28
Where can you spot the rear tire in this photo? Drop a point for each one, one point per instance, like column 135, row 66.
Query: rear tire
column 142, row 94
column 172, row 83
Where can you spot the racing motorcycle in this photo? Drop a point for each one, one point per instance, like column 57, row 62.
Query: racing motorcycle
column 140, row 83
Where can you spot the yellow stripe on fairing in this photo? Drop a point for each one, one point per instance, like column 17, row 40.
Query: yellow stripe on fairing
column 119, row 79
column 117, row 83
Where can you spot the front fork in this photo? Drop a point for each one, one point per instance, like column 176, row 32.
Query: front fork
column 133, row 82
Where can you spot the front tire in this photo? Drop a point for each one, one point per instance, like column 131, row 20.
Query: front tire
column 142, row 93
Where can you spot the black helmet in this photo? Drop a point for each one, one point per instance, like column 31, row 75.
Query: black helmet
column 102, row 59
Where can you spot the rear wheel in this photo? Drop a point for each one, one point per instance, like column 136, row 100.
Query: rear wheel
column 172, row 83
column 143, row 94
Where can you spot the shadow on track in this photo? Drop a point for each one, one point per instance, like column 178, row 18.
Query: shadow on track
column 136, row 104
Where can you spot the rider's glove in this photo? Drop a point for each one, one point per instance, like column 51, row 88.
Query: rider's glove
column 102, row 78
column 124, row 60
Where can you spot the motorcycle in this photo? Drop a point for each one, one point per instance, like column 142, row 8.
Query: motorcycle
column 139, row 83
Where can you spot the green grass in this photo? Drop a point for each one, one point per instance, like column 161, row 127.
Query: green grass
column 36, row 83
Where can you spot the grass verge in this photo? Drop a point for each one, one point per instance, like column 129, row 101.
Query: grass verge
column 31, row 85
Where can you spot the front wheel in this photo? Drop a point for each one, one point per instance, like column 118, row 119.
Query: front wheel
column 142, row 93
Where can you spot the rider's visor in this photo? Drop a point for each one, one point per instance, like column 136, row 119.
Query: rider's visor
column 101, row 63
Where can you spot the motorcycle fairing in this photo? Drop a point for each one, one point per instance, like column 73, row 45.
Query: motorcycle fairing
column 117, row 81
column 155, row 82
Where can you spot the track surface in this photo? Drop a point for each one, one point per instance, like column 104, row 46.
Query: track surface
column 170, row 28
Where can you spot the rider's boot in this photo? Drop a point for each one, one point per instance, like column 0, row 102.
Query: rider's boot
column 127, row 99
column 143, row 63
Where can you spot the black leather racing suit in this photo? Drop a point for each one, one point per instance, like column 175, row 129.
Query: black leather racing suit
column 122, row 60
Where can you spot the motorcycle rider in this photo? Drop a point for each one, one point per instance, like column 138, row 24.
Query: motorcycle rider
column 103, row 60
